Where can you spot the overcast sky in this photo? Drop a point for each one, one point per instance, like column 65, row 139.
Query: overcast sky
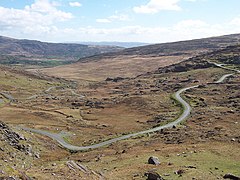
column 152, row 21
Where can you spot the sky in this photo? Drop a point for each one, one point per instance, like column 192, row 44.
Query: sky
column 151, row 21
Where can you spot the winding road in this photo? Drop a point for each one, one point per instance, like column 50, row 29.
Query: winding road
column 7, row 96
column 182, row 117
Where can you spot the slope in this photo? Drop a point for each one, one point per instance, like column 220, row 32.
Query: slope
column 16, row 51
column 204, row 147
column 134, row 61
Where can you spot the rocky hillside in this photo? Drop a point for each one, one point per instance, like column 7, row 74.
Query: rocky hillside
column 174, row 48
column 36, row 49
column 229, row 55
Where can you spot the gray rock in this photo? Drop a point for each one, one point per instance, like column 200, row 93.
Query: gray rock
column 179, row 172
column 153, row 160
column 37, row 155
column 153, row 176
column 231, row 176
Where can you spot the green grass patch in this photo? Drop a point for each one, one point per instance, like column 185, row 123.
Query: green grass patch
column 42, row 63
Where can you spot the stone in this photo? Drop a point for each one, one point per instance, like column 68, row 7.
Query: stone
column 231, row 176
column 153, row 160
column 37, row 155
column 179, row 172
column 153, row 176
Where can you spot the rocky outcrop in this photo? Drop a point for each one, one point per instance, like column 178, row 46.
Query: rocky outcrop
column 14, row 139
column 229, row 55
column 190, row 64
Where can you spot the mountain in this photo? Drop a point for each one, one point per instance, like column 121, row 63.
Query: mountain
column 30, row 49
column 131, row 62
column 175, row 48
column 121, row 44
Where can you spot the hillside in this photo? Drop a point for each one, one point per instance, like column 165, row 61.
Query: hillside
column 89, row 114
column 29, row 50
column 175, row 48
column 135, row 61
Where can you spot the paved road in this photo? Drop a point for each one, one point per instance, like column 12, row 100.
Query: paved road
column 60, row 140
column 7, row 96
column 74, row 93
column 49, row 89
column 183, row 116
column 224, row 67
column 223, row 77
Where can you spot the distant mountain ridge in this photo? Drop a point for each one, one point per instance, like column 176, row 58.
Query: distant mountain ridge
column 37, row 49
column 115, row 43
column 194, row 46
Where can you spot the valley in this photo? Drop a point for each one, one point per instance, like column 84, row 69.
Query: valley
column 135, row 61
column 109, row 96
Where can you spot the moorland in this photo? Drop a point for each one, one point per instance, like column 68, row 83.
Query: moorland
column 109, row 95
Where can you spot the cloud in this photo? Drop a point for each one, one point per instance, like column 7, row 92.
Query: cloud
column 42, row 20
column 121, row 17
column 183, row 30
column 235, row 21
column 37, row 17
column 154, row 6
column 116, row 17
column 103, row 20
column 193, row 24
column 75, row 4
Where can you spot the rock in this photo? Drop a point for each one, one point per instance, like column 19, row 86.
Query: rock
column 117, row 79
column 37, row 155
column 136, row 175
column 124, row 151
column 9, row 178
column 179, row 172
column 153, row 160
column 231, row 176
column 153, row 176
column 191, row 167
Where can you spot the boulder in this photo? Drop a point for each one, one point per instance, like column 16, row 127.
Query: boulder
column 153, row 160
column 231, row 176
column 153, row 176
column 179, row 172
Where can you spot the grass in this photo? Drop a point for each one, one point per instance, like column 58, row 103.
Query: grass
column 41, row 63
column 138, row 149
column 211, row 162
